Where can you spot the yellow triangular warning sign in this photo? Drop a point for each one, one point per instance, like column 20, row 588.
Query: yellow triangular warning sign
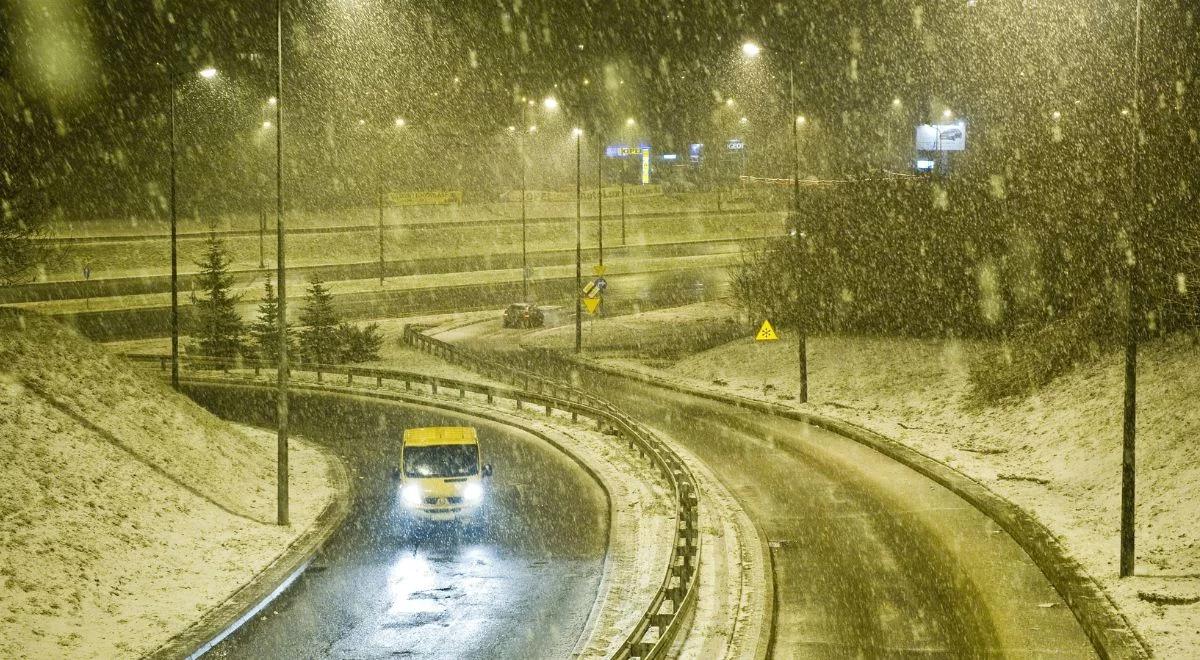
column 766, row 333
column 591, row 304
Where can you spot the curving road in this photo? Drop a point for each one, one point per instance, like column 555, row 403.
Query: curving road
column 521, row 586
column 871, row 559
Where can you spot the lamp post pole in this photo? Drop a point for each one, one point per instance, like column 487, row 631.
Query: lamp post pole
column 281, row 396
column 800, row 321
column 578, row 244
column 1133, row 322
column 600, row 199
column 174, row 248
column 524, row 165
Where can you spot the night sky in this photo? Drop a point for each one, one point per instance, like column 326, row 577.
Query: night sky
column 83, row 86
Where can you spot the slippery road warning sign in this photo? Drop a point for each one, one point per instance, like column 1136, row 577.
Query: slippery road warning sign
column 766, row 333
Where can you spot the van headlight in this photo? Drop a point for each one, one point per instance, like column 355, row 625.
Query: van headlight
column 473, row 493
column 410, row 495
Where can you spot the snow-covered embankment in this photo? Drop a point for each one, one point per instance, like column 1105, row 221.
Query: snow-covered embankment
column 126, row 511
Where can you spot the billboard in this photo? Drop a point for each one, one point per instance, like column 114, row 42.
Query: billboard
column 942, row 137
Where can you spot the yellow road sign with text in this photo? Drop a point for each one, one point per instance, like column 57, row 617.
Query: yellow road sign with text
column 766, row 332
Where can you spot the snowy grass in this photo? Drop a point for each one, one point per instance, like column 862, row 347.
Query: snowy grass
column 1056, row 452
column 126, row 511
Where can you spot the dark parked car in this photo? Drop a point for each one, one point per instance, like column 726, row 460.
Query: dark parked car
column 523, row 315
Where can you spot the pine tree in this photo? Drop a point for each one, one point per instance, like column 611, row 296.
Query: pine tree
column 265, row 329
column 217, row 326
column 359, row 344
column 319, row 341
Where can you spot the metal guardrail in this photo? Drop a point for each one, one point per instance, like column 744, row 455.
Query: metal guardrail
column 659, row 625
column 676, row 596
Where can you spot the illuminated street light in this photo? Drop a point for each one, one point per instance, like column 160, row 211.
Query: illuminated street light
column 631, row 122
column 743, row 121
column 272, row 101
column 896, row 102
column 400, row 122
column 729, row 102
column 801, row 120
column 751, row 49
column 550, row 103
column 947, row 113
column 266, row 125
column 208, row 73
column 577, row 132
column 1056, row 115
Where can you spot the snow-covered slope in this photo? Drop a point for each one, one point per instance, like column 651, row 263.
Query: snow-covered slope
column 126, row 511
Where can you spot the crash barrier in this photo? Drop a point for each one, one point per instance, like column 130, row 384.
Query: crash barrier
column 676, row 596
column 657, row 628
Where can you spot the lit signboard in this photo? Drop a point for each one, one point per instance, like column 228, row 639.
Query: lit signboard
column 645, row 165
column 694, row 151
column 669, row 156
column 942, row 137
column 736, row 145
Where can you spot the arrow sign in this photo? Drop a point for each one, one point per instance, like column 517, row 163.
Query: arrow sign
column 591, row 304
column 766, row 333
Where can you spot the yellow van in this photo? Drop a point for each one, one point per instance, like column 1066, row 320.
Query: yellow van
column 441, row 474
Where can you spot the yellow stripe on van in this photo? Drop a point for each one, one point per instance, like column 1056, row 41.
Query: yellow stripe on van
column 440, row 435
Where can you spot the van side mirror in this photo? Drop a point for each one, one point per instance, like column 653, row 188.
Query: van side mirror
column 487, row 470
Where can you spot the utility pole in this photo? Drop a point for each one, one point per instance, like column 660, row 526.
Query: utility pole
column 281, row 396
column 1133, row 321
column 578, row 242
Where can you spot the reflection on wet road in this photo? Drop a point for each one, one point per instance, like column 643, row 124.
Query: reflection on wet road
column 518, row 583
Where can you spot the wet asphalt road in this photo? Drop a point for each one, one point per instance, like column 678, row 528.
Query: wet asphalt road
column 871, row 559
column 519, row 586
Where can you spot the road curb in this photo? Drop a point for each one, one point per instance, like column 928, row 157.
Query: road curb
column 243, row 604
column 1110, row 632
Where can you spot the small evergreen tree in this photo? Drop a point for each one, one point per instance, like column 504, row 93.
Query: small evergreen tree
column 319, row 341
column 265, row 329
column 216, row 324
column 359, row 344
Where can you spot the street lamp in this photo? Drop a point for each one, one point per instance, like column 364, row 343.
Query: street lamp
column 207, row 73
column 550, row 104
column 751, row 50
column 281, row 397
column 1133, row 310
column 578, row 133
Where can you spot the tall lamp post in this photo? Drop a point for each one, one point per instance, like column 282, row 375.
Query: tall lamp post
column 751, row 50
column 207, row 73
column 578, row 240
column 281, row 396
column 1129, row 426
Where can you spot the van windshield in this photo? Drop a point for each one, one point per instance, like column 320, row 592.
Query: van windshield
column 441, row 461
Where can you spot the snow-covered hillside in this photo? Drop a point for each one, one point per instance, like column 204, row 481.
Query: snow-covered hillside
column 126, row 511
